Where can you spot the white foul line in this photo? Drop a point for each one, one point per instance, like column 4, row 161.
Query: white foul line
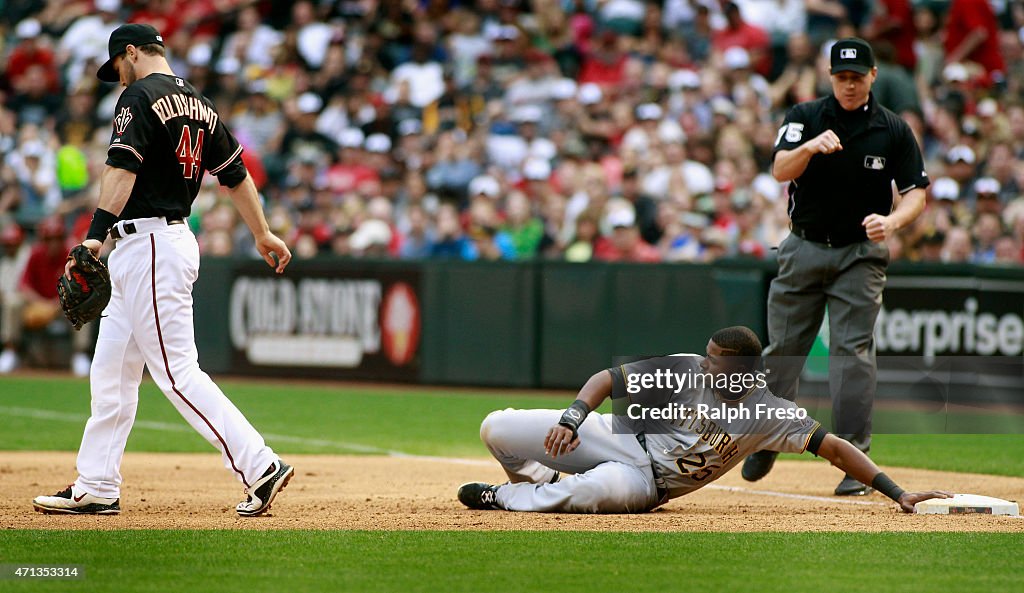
column 797, row 496
column 169, row 427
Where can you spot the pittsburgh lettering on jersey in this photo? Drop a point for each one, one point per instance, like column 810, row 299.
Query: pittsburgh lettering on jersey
column 714, row 435
column 181, row 105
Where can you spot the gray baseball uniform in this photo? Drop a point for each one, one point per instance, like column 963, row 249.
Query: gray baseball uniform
column 613, row 471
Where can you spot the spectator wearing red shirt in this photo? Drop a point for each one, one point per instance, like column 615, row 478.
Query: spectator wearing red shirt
column 625, row 243
column 163, row 15
column 893, row 21
column 972, row 35
column 739, row 33
column 30, row 52
column 39, row 286
column 46, row 261
column 351, row 171
column 605, row 63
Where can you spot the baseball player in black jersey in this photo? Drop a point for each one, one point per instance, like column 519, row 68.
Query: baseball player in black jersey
column 166, row 136
column 843, row 156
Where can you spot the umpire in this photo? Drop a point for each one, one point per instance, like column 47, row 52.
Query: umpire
column 844, row 155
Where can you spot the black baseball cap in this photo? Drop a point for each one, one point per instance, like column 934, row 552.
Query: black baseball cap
column 852, row 54
column 134, row 34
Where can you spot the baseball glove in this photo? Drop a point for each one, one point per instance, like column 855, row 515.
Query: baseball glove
column 84, row 296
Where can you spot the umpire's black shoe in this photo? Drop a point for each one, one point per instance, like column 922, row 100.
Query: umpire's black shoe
column 851, row 487
column 477, row 495
column 757, row 465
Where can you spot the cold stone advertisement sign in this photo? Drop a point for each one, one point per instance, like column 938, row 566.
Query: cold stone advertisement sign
column 319, row 321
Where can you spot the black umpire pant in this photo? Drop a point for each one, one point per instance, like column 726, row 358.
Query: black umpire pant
column 848, row 281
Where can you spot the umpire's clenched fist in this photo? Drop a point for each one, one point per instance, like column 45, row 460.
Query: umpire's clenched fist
column 825, row 143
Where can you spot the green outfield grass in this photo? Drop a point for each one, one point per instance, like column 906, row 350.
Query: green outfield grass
column 323, row 419
column 502, row 562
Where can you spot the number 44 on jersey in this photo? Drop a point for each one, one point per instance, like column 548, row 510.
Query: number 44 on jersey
column 190, row 156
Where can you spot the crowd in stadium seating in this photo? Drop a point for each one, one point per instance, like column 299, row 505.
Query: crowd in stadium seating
column 611, row 130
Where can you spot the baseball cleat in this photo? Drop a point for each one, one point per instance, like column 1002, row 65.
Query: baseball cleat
column 478, row 495
column 851, row 487
column 757, row 465
column 262, row 493
column 72, row 501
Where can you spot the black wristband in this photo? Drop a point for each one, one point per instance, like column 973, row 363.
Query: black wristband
column 100, row 225
column 886, row 486
column 574, row 415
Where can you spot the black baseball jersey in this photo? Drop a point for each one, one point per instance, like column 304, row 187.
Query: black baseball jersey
column 169, row 135
column 838, row 190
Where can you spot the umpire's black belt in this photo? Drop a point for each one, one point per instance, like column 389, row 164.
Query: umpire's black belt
column 130, row 229
column 829, row 237
column 659, row 482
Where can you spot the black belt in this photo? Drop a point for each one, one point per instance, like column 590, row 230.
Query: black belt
column 659, row 482
column 129, row 229
column 830, row 238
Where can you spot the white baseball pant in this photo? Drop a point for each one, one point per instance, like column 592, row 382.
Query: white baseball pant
column 609, row 473
column 149, row 322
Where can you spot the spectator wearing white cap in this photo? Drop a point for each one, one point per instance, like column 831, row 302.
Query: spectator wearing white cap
column 302, row 136
column 34, row 170
column 986, row 196
column 32, row 49
column 86, row 39
column 589, row 94
column 946, row 209
column 748, row 87
column 529, row 120
column 377, row 148
column 625, row 243
column 961, row 165
column 739, row 32
column 643, row 135
column 371, row 239
column 352, row 172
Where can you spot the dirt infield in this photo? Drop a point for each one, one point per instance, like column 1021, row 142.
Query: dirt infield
column 193, row 491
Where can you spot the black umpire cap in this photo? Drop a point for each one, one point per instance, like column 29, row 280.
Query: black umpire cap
column 852, row 54
column 134, row 34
